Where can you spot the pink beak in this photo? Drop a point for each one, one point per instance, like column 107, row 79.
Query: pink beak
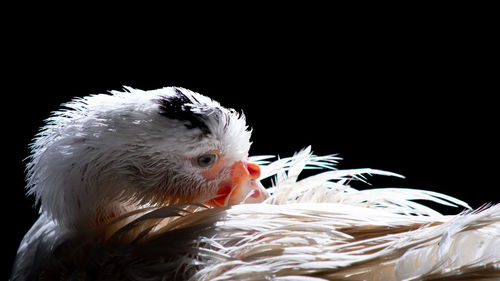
column 242, row 186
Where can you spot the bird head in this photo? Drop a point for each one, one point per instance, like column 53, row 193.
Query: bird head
column 106, row 154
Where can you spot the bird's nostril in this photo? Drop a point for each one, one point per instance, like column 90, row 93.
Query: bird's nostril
column 254, row 170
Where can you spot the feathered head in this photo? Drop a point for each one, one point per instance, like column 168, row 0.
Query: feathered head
column 105, row 154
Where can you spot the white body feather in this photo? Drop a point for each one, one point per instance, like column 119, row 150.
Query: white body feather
column 318, row 228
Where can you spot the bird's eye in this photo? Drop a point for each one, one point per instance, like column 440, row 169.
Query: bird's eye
column 206, row 160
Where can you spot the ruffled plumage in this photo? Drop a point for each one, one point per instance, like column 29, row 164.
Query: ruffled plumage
column 316, row 228
column 124, row 196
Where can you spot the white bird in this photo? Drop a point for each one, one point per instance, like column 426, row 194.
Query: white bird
column 147, row 185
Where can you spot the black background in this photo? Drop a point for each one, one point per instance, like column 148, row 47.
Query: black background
column 409, row 94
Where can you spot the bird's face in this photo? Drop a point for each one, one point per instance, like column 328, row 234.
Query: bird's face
column 141, row 148
column 203, row 154
column 225, row 181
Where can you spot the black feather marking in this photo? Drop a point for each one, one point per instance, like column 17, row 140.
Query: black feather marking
column 180, row 107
